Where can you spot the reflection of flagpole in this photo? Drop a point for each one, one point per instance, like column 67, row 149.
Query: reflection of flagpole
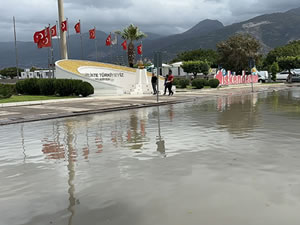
column 71, row 173
column 160, row 142
column 96, row 45
column 58, row 37
column 81, row 41
column 15, row 34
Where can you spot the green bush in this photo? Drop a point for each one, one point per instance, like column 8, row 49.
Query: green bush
column 205, row 83
column 61, row 87
column 7, row 90
column 176, row 82
column 214, row 83
column 47, row 86
column 66, row 87
column 85, row 89
column 198, row 83
column 28, row 86
column 183, row 83
column 20, row 87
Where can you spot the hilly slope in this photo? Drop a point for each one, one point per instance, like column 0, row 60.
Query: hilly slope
column 272, row 30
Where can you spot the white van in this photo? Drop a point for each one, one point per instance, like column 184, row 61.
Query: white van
column 263, row 76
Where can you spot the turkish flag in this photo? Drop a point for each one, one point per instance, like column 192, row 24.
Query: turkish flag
column 64, row 26
column 46, row 41
column 92, row 33
column 77, row 27
column 124, row 44
column 140, row 49
column 53, row 31
column 39, row 35
column 108, row 40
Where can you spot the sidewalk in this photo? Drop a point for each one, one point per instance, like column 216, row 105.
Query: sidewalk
column 11, row 113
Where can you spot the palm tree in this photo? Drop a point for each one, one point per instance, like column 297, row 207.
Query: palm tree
column 131, row 34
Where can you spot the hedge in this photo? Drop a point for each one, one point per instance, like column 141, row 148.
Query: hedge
column 214, row 83
column 61, row 87
column 198, row 83
column 7, row 90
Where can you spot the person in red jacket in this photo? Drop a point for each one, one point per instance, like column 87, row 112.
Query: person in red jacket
column 170, row 82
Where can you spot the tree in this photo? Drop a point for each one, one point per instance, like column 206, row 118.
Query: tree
column 196, row 67
column 236, row 52
column 131, row 34
column 289, row 63
column 11, row 72
column 208, row 55
column 291, row 49
column 274, row 69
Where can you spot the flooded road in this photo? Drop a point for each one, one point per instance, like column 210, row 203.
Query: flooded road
column 232, row 160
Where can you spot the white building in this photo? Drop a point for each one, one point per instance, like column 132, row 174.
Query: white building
column 36, row 74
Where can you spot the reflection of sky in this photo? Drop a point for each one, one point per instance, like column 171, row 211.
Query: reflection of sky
column 92, row 156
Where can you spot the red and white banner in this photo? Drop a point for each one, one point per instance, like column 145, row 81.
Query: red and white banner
column 140, row 49
column 124, row 45
column 64, row 26
column 77, row 27
column 229, row 79
column 92, row 33
column 39, row 35
column 108, row 41
column 46, row 41
column 53, row 31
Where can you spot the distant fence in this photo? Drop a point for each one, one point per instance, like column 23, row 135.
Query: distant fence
column 229, row 79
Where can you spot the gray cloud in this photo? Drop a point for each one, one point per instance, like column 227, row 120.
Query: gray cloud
column 168, row 16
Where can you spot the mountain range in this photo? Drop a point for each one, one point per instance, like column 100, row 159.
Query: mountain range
column 272, row 30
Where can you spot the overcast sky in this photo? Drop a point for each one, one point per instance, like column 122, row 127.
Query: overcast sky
column 158, row 16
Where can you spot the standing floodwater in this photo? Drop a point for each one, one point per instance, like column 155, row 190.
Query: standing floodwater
column 231, row 161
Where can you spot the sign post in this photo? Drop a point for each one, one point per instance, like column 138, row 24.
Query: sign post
column 157, row 65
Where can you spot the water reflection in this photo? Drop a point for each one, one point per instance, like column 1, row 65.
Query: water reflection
column 111, row 162
column 160, row 142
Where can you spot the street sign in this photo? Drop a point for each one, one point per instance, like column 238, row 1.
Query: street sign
column 157, row 59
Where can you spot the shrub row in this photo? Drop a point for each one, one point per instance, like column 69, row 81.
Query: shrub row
column 7, row 90
column 200, row 83
column 181, row 82
column 61, row 87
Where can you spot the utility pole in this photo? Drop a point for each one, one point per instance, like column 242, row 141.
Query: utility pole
column 15, row 34
column 63, row 40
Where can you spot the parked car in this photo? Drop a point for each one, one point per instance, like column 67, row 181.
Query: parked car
column 295, row 77
column 282, row 75
column 263, row 76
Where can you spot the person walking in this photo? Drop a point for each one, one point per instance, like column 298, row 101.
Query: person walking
column 154, row 83
column 166, row 86
column 170, row 82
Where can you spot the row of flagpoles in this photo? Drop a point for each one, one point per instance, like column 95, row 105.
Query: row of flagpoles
column 43, row 38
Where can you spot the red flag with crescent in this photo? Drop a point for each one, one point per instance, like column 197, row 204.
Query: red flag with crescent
column 140, row 49
column 39, row 35
column 92, row 33
column 46, row 41
column 64, row 26
column 77, row 27
column 124, row 44
column 53, row 31
column 108, row 40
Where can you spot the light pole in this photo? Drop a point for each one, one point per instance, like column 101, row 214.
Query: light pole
column 63, row 40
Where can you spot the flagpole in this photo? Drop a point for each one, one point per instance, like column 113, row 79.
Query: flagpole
column 68, row 44
column 17, row 61
column 96, row 45
column 81, row 41
column 58, row 38
column 63, row 44
column 51, row 50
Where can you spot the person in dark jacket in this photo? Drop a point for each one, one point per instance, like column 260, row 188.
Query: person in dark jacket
column 166, row 86
column 154, row 83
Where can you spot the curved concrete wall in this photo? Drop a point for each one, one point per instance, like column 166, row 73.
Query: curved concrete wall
column 107, row 79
